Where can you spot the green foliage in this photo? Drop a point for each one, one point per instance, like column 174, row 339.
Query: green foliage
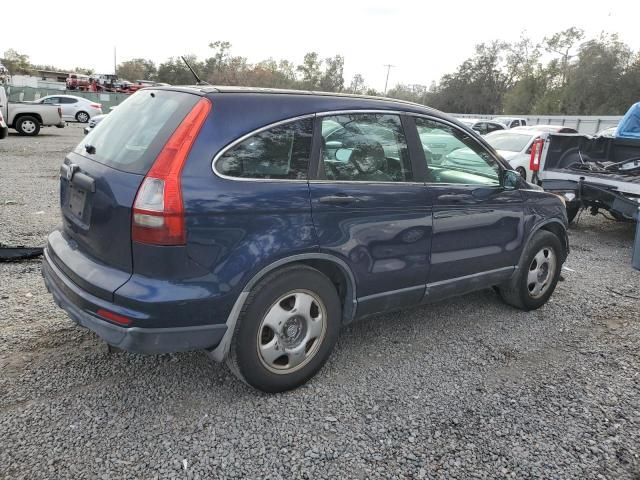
column 594, row 77
column 16, row 63
column 137, row 69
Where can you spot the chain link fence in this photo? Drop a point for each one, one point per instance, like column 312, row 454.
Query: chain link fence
column 27, row 94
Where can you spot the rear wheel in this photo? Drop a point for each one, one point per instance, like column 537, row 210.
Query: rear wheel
column 537, row 274
column 286, row 330
column 82, row 117
column 28, row 126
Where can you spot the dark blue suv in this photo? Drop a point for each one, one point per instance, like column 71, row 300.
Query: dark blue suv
column 254, row 223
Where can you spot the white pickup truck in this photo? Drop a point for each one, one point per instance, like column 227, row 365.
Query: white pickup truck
column 27, row 118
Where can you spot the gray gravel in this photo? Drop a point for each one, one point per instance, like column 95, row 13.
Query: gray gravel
column 469, row 388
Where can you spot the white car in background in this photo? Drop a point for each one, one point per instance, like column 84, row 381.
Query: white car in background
column 514, row 145
column 73, row 108
column 482, row 126
column 511, row 122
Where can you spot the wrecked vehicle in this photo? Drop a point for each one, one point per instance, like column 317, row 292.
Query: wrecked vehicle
column 595, row 173
column 253, row 224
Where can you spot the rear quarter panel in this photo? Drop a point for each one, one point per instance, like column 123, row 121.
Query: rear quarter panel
column 235, row 227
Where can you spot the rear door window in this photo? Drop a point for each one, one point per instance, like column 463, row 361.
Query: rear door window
column 131, row 136
column 281, row 152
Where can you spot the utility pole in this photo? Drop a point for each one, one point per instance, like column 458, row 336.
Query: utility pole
column 387, row 80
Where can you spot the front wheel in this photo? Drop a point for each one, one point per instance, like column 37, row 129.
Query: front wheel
column 286, row 330
column 537, row 274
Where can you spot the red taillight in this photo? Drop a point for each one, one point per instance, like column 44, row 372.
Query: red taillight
column 114, row 317
column 158, row 212
column 96, row 105
column 536, row 154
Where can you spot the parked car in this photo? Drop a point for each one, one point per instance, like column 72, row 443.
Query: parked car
column 514, row 145
column 96, row 120
column 78, row 81
column 482, row 126
column 545, row 129
column 73, row 108
column 607, row 132
column 511, row 122
column 597, row 173
column 4, row 128
column 27, row 118
column 253, row 224
column 93, row 122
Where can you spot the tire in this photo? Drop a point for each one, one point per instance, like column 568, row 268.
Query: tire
column 572, row 211
column 83, row 117
column 279, row 300
column 28, row 125
column 543, row 248
column 522, row 172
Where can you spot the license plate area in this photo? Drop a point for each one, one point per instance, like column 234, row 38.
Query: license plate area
column 77, row 205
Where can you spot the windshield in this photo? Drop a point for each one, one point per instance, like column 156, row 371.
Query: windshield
column 509, row 141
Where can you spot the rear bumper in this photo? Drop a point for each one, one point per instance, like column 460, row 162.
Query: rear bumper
column 80, row 306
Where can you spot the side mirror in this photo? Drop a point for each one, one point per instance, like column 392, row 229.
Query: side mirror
column 510, row 179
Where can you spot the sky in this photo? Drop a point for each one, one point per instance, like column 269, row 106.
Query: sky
column 422, row 39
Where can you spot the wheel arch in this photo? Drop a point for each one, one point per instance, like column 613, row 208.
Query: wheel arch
column 333, row 267
column 17, row 118
column 556, row 227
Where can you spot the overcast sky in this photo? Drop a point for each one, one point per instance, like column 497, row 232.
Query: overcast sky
column 423, row 39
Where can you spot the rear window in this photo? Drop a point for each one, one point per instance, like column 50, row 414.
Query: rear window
column 131, row 136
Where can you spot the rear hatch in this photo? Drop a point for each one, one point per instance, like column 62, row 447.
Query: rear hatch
column 98, row 185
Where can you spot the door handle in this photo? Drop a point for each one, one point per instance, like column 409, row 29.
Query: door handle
column 338, row 199
column 454, row 199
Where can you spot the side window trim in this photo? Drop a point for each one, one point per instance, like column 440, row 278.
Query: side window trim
column 416, row 153
column 250, row 134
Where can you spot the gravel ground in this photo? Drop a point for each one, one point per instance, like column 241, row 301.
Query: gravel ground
column 468, row 388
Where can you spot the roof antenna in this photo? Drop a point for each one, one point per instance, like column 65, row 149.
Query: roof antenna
column 198, row 81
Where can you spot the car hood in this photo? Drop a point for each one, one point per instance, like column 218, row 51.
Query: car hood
column 507, row 155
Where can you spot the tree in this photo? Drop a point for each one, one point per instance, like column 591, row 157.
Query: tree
column 333, row 77
column 175, row 72
column 357, row 84
column 310, row 71
column 137, row 69
column 16, row 63
column 562, row 43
